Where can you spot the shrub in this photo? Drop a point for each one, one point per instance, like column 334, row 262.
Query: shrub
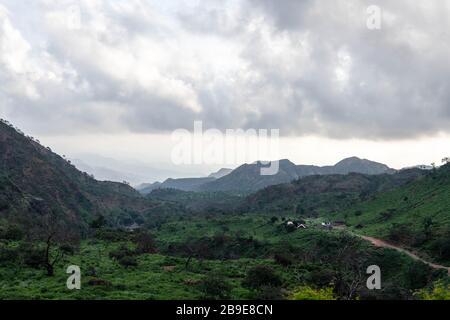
column 268, row 293
column 439, row 291
column 214, row 287
column 308, row 293
column 68, row 249
column 98, row 222
column 400, row 233
column 32, row 256
column 8, row 255
column 112, row 235
column 99, row 282
column 441, row 247
column 128, row 261
column 11, row 232
column 122, row 252
column 273, row 219
column 145, row 243
column 261, row 276
column 284, row 258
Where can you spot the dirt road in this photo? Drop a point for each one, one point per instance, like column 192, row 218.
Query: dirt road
column 383, row 244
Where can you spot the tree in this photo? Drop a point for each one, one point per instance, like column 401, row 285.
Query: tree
column 197, row 249
column 98, row 222
column 284, row 258
column 261, row 276
column 214, row 287
column 350, row 274
column 59, row 239
column 128, row 261
column 427, row 227
column 145, row 242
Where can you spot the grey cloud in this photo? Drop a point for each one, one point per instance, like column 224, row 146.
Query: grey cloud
column 281, row 73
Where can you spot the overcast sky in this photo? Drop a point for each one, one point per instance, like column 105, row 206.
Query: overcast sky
column 117, row 77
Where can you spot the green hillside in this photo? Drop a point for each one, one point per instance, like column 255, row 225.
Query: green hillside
column 416, row 215
column 321, row 195
column 36, row 182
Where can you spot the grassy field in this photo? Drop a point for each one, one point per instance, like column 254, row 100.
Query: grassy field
column 307, row 259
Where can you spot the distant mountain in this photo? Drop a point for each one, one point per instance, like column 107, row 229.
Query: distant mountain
column 221, row 173
column 363, row 166
column 146, row 188
column 247, row 177
column 184, row 184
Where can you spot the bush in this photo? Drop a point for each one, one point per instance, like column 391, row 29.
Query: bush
column 441, row 247
column 284, row 258
column 11, row 232
column 439, row 291
column 112, row 235
column 214, row 287
column 308, row 293
column 261, row 276
column 32, row 256
column 122, row 252
column 98, row 222
column 401, row 233
column 322, row 277
column 99, row 282
column 145, row 243
column 68, row 249
column 128, row 261
column 8, row 255
column 268, row 293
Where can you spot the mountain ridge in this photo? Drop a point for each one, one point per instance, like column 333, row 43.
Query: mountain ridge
column 248, row 178
column 37, row 182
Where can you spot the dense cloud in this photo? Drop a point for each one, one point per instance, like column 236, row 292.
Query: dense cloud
column 307, row 67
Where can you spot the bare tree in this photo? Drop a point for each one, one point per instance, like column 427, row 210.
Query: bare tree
column 350, row 271
column 58, row 237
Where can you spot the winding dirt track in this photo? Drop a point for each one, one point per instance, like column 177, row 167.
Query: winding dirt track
column 383, row 244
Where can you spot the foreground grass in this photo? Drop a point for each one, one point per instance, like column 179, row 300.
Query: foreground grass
column 156, row 277
column 165, row 276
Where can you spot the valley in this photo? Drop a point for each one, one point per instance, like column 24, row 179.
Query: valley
column 268, row 242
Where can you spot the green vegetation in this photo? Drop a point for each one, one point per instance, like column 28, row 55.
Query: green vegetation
column 214, row 245
column 415, row 215
column 308, row 293
column 439, row 291
column 245, row 260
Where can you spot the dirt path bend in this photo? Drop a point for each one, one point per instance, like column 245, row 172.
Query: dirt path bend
column 383, row 244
